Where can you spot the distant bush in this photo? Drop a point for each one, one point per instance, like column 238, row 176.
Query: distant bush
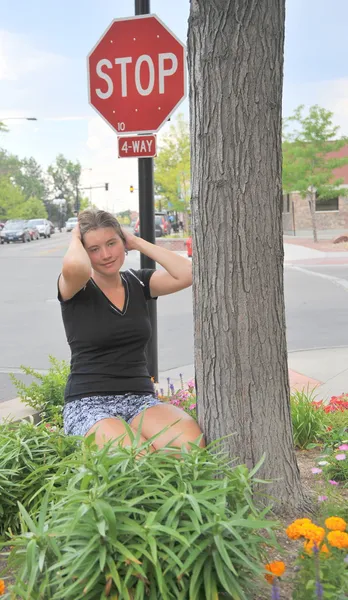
column 46, row 395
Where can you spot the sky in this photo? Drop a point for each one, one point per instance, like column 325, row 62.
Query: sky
column 43, row 74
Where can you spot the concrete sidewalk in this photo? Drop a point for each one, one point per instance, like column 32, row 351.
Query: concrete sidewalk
column 324, row 370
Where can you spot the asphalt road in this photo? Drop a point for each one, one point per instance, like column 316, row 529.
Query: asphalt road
column 31, row 327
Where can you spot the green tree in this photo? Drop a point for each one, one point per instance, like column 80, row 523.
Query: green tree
column 172, row 168
column 30, row 178
column 33, row 208
column 85, row 203
column 9, row 164
column 12, row 200
column 124, row 217
column 307, row 164
column 65, row 182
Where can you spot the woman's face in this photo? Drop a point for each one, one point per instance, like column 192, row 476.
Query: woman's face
column 105, row 250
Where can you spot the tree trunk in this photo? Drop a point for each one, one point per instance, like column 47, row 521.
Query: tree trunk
column 312, row 207
column 235, row 53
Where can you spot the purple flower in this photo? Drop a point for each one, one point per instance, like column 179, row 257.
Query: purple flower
column 333, row 482
column 343, row 447
column 316, row 471
column 162, row 391
column 275, row 590
column 172, row 389
column 322, row 498
column 340, row 457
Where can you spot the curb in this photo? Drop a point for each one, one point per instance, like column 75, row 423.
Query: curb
column 16, row 410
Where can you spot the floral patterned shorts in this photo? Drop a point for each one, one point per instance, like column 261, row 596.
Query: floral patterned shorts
column 80, row 415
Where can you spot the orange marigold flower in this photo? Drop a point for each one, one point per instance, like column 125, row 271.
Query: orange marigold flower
column 313, row 532
column 2, row 587
column 336, row 524
column 309, row 546
column 294, row 531
column 277, row 568
column 338, row 539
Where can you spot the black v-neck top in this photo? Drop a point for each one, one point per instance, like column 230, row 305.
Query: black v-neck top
column 108, row 344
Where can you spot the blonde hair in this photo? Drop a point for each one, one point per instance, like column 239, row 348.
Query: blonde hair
column 91, row 219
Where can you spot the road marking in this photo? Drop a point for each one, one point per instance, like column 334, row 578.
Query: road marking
column 337, row 280
column 19, row 371
column 44, row 252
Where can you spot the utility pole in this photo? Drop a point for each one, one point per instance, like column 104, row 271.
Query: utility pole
column 147, row 226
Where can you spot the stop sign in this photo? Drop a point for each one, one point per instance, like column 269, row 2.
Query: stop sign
column 137, row 74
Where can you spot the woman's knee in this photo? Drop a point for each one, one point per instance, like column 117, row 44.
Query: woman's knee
column 109, row 429
column 171, row 425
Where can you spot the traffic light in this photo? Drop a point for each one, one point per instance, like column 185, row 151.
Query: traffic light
column 106, row 187
column 131, row 189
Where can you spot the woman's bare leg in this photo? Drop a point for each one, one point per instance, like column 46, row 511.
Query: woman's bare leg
column 111, row 429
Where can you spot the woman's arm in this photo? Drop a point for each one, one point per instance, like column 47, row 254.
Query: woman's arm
column 178, row 269
column 76, row 269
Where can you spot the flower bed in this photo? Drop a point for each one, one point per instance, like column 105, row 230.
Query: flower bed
column 314, row 565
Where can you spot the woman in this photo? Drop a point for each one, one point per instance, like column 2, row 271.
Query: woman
column 107, row 326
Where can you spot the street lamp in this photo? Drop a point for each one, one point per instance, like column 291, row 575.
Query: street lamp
column 18, row 119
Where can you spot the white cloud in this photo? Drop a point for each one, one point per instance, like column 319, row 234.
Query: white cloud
column 19, row 58
column 102, row 157
column 330, row 94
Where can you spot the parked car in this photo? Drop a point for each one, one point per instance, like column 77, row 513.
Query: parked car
column 165, row 222
column 71, row 223
column 34, row 232
column 15, row 231
column 162, row 225
column 42, row 225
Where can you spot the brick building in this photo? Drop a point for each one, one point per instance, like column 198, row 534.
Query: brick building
column 331, row 214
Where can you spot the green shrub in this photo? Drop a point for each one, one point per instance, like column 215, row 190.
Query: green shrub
column 157, row 526
column 29, row 455
column 308, row 420
column 336, row 427
column 46, row 395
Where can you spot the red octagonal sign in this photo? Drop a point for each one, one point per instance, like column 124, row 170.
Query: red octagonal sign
column 137, row 74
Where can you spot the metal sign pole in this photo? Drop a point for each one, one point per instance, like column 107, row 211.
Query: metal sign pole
column 147, row 226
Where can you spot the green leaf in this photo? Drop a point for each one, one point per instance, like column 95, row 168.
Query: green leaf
column 196, row 577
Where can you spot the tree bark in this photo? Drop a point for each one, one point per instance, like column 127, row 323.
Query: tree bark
column 235, row 54
column 312, row 207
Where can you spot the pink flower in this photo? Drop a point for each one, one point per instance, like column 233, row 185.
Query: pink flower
column 322, row 498
column 175, row 402
column 343, row 447
column 191, row 383
column 316, row 471
column 333, row 482
column 340, row 457
column 192, row 406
